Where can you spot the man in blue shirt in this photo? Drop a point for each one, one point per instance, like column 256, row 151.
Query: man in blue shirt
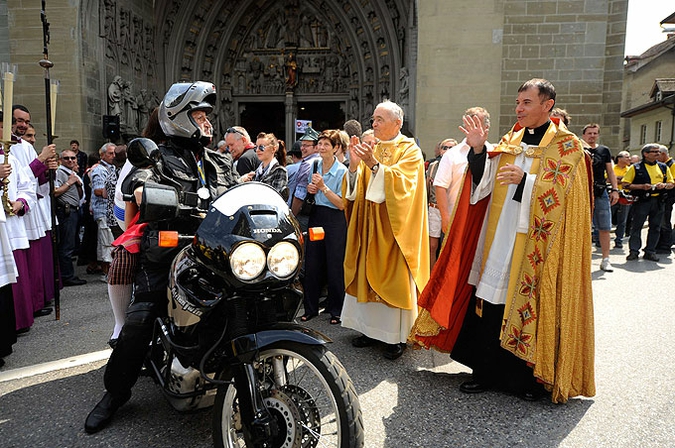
column 297, row 195
column 99, row 205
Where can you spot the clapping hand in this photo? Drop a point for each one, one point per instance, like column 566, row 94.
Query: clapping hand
column 360, row 151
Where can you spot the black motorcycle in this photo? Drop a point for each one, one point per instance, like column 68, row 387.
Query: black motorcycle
column 230, row 340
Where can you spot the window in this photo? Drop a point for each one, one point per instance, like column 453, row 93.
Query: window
column 657, row 132
column 643, row 134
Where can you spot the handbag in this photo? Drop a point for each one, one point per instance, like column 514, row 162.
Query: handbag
column 308, row 203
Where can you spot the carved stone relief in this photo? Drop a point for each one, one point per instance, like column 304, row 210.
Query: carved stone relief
column 282, row 47
column 109, row 27
column 133, row 108
column 128, row 40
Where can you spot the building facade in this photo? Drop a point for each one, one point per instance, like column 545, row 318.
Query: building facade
column 648, row 108
column 275, row 61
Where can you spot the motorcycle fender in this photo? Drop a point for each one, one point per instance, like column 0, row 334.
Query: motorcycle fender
column 251, row 343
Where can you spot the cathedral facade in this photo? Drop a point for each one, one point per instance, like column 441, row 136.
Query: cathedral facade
column 274, row 62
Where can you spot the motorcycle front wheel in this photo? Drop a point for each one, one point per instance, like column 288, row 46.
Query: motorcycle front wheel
column 309, row 394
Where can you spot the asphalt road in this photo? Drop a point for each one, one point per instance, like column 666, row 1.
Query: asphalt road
column 412, row 402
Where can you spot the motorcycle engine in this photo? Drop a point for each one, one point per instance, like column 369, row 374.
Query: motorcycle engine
column 185, row 380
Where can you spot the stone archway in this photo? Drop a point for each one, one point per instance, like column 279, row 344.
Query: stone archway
column 290, row 51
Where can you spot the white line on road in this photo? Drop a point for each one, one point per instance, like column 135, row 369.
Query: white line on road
column 46, row 367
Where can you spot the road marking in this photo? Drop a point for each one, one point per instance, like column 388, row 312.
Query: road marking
column 47, row 367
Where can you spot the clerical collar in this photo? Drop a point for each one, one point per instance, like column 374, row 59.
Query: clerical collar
column 399, row 135
column 534, row 136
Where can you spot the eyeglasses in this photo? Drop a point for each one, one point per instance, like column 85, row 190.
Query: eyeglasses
column 260, row 148
column 233, row 131
column 653, row 152
column 69, row 158
column 445, row 148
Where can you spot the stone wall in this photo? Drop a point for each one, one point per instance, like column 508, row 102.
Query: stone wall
column 4, row 32
column 87, row 53
column 479, row 53
column 459, row 66
column 25, row 43
column 578, row 46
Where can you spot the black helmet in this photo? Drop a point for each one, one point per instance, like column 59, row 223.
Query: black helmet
column 179, row 102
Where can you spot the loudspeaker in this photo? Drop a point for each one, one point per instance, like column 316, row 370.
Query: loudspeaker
column 111, row 127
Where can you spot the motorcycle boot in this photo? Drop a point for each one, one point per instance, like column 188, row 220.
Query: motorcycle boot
column 124, row 365
column 103, row 412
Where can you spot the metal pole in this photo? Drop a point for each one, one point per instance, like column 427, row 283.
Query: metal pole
column 47, row 64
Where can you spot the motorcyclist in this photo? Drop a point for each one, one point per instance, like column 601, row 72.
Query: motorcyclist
column 189, row 167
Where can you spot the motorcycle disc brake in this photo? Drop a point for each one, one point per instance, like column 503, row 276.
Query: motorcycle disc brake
column 309, row 414
column 288, row 416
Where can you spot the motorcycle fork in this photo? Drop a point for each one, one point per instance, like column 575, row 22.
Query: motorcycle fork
column 262, row 427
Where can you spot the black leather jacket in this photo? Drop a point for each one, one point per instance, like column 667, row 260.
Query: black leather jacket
column 179, row 165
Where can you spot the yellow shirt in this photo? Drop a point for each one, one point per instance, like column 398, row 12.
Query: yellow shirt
column 654, row 171
column 620, row 172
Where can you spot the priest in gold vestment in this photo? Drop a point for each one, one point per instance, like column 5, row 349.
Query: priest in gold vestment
column 387, row 255
column 511, row 294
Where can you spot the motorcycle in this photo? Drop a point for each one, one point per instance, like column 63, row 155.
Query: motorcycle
column 229, row 339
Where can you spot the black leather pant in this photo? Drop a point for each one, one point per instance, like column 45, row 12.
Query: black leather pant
column 126, row 360
column 149, row 302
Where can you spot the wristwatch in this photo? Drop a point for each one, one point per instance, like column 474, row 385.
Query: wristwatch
column 375, row 167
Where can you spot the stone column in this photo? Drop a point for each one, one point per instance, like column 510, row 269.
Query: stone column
column 291, row 114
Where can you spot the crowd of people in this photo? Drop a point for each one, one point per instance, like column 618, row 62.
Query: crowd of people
column 464, row 254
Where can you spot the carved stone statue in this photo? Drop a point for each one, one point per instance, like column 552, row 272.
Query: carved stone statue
column 130, row 108
column 403, row 90
column 115, row 96
column 144, row 102
column 291, row 72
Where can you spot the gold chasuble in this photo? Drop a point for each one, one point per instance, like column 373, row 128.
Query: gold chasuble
column 548, row 317
column 388, row 241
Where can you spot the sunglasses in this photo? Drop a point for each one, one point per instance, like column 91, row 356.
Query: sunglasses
column 69, row 158
column 260, row 148
column 445, row 148
column 233, row 131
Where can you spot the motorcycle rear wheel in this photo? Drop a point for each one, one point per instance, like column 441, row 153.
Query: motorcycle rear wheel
column 318, row 405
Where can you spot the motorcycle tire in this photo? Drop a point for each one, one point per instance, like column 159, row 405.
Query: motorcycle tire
column 318, row 405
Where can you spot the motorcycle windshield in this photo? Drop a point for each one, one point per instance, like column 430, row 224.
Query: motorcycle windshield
column 250, row 193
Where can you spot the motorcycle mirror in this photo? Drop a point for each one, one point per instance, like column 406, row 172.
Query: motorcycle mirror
column 316, row 233
column 142, row 153
column 158, row 203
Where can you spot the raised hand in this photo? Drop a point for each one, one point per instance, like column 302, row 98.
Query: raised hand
column 476, row 133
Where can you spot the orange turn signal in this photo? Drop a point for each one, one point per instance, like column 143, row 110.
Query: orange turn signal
column 168, row 238
column 316, row 233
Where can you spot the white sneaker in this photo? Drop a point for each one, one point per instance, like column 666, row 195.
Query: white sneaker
column 606, row 265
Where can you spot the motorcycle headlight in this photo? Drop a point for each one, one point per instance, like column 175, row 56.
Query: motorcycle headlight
column 247, row 261
column 283, row 259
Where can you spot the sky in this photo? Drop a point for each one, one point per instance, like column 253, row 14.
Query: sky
column 643, row 30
